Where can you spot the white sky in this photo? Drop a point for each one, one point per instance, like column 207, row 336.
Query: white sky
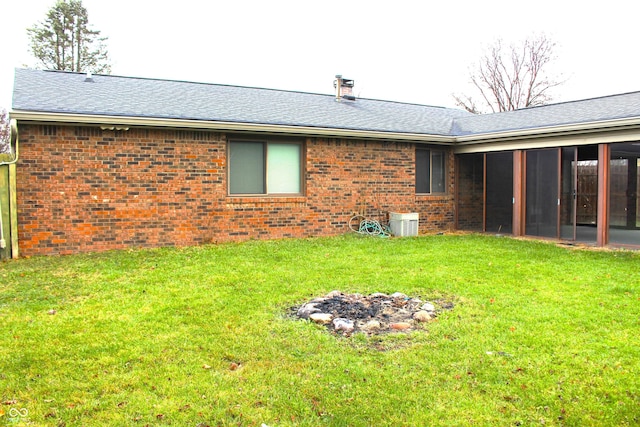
column 410, row 51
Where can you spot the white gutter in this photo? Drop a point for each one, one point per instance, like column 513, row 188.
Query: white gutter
column 458, row 141
column 121, row 121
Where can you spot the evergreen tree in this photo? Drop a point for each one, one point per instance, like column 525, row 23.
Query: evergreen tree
column 64, row 41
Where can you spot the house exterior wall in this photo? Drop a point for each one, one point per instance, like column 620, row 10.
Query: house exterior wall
column 86, row 189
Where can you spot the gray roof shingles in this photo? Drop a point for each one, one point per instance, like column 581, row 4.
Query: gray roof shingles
column 574, row 112
column 66, row 92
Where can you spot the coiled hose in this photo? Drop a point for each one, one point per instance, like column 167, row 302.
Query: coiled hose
column 369, row 227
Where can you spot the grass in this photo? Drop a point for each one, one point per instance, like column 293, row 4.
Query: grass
column 201, row 336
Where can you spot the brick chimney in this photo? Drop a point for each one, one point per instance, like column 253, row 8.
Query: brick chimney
column 344, row 88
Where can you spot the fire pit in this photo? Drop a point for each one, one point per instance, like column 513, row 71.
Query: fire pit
column 373, row 314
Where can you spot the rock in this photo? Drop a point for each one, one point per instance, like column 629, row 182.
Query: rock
column 371, row 326
column 334, row 294
column 388, row 310
column 378, row 295
column 427, row 306
column 400, row 326
column 422, row 316
column 413, row 304
column 307, row 309
column 51, row 312
column 342, row 324
column 322, row 318
column 399, row 295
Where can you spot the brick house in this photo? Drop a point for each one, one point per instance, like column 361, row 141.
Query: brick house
column 108, row 162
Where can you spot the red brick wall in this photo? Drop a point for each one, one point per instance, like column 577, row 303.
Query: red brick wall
column 85, row 189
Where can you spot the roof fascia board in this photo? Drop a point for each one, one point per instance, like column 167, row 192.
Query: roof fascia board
column 88, row 119
column 607, row 136
column 493, row 141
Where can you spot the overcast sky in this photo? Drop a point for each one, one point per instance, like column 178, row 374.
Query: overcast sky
column 409, row 51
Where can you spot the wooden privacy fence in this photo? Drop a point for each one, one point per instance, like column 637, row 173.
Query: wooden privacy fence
column 8, row 212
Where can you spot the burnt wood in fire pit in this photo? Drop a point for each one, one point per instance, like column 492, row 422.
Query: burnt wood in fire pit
column 371, row 314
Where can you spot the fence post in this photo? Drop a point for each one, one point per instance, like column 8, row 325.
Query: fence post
column 13, row 209
column 5, row 213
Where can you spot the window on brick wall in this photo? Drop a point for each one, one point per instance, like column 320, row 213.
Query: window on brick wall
column 431, row 171
column 264, row 167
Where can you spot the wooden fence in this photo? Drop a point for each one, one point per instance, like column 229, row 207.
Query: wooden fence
column 8, row 212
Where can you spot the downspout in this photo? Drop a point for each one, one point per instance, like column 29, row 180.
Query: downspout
column 13, row 143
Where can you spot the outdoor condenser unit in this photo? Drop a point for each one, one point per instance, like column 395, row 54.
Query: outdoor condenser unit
column 403, row 224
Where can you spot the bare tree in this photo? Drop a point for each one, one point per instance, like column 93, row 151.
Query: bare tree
column 513, row 77
column 5, row 131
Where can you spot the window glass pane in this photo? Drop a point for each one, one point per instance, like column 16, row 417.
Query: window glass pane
column 423, row 171
column 283, row 168
column 437, row 172
column 246, row 168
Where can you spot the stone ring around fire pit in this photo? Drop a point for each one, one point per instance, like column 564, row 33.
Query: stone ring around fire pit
column 373, row 314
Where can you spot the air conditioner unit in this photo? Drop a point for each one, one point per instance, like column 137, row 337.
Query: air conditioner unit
column 403, row 224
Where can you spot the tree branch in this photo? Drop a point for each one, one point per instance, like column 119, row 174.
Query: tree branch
column 513, row 78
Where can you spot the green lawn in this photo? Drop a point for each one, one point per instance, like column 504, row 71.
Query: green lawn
column 203, row 337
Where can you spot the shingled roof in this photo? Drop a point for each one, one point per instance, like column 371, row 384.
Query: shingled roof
column 574, row 112
column 59, row 92
column 73, row 93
